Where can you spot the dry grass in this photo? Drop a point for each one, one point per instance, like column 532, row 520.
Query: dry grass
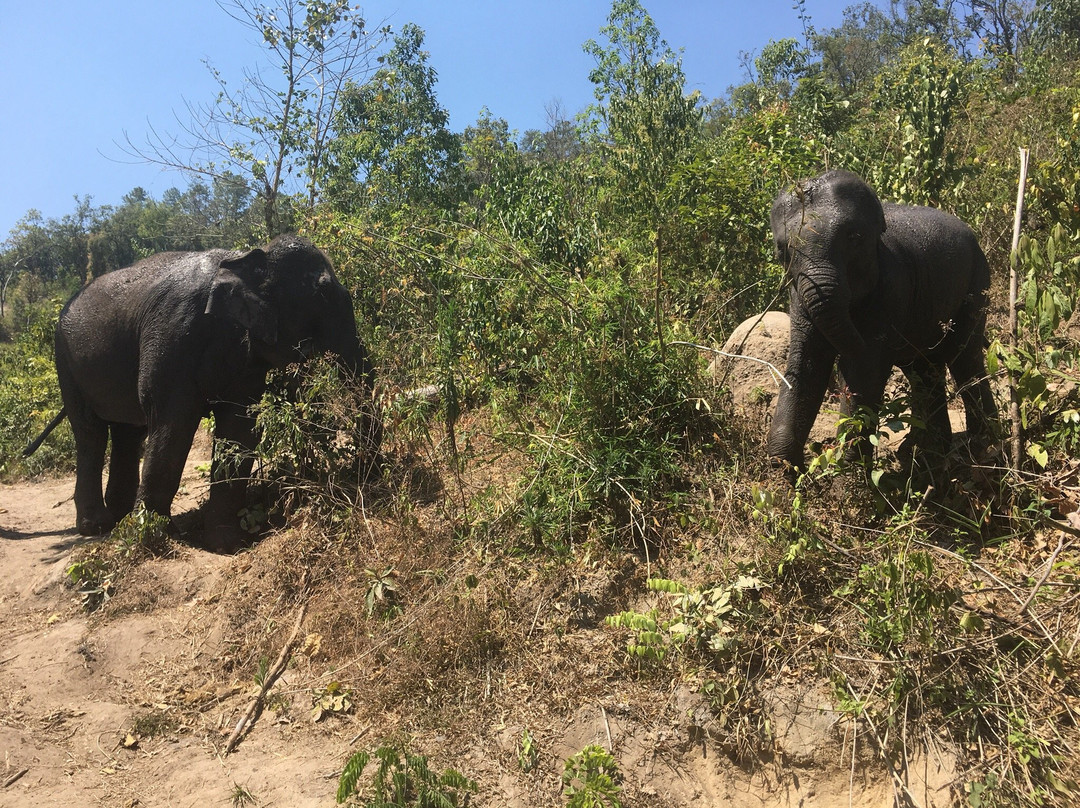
column 943, row 626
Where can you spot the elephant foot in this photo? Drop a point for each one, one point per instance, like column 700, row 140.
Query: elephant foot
column 225, row 539
column 96, row 524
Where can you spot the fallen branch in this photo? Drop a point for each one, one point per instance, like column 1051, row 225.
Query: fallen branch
column 11, row 780
column 778, row 377
column 1045, row 575
column 271, row 675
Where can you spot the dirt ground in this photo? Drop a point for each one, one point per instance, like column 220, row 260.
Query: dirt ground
column 125, row 707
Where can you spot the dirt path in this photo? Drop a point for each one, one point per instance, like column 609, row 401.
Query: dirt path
column 74, row 687
column 128, row 706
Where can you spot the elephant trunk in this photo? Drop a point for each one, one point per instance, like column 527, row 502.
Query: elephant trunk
column 338, row 336
column 827, row 301
column 825, row 330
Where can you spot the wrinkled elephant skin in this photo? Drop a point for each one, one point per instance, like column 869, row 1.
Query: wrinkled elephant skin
column 876, row 286
column 146, row 352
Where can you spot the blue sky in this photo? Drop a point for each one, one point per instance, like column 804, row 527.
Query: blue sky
column 76, row 76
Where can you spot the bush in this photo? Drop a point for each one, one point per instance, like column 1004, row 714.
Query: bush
column 30, row 397
column 616, row 407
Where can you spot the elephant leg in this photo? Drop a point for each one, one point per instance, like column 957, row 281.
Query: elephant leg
column 234, row 444
column 123, row 487
column 969, row 372
column 91, row 437
column 810, row 363
column 931, row 431
column 866, row 382
column 167, row 446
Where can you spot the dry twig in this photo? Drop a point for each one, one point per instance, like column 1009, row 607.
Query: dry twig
column 11, row 780
column 271, row 675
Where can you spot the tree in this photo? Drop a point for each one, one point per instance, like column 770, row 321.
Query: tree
column 275, row 128
column 391, row 143
column 853, row 54
column 643, row 121
column 560, row 142
column 1055, row 30
column 915, row 20
column 200, row 218
column 488, row 151
column 923, row 91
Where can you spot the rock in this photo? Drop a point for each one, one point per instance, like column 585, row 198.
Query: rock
column 753, row 385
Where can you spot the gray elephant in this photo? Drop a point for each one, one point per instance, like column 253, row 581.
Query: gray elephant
column 148, row 351
column 877, row 286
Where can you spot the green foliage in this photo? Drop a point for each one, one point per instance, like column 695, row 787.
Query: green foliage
column 92, row 576
column 30, row 396
column 647, row 120
column 1055, row 182
column 382, row 589
column 334, row 699
column 923, row 92
column 241, row 796
column 701, row 620
column 402, row 780
column 793, row 528
column 527, row 753
column 853, row 54
column 392, row 146
column 591, row 779
column 1043, row 364
column 97, row 569
column 902, row 603
column 316, row 430
column 721, row 198
column 141, row 532
column 616, row 410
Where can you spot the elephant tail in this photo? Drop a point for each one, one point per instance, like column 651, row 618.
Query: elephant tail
column 40, row 439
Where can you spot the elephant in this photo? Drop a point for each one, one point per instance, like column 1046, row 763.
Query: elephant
column 144, row 353
column 873, row 286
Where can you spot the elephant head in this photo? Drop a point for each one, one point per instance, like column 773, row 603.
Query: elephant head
column 827, row 231
column 288, row 299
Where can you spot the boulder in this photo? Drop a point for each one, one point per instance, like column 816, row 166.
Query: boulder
column 753, row 385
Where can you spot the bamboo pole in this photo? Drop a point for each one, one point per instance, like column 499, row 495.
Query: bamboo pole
column 1014, row 284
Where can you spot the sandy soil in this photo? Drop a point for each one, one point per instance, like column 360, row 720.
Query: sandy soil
column 127, row 707
column 76, row 688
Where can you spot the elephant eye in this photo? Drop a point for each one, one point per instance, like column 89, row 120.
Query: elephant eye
column 854, row 235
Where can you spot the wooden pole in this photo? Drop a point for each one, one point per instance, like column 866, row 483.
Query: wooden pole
column 1014, row 285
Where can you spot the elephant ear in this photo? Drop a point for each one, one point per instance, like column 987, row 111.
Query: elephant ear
column 234, row 295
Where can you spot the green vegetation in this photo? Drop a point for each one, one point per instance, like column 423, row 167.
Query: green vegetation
column 95, row 569
column 545, row 288
column 402, row 780
column 591, row 779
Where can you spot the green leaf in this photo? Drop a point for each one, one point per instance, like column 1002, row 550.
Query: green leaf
column 971, row 622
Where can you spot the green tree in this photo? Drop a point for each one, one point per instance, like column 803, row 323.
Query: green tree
column 643, row 121
column 561, row 141
column 276, row 126
column 488, row 153
column 1055, row 32
column 854, row 53
column 392, row 146
column 922, row 94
